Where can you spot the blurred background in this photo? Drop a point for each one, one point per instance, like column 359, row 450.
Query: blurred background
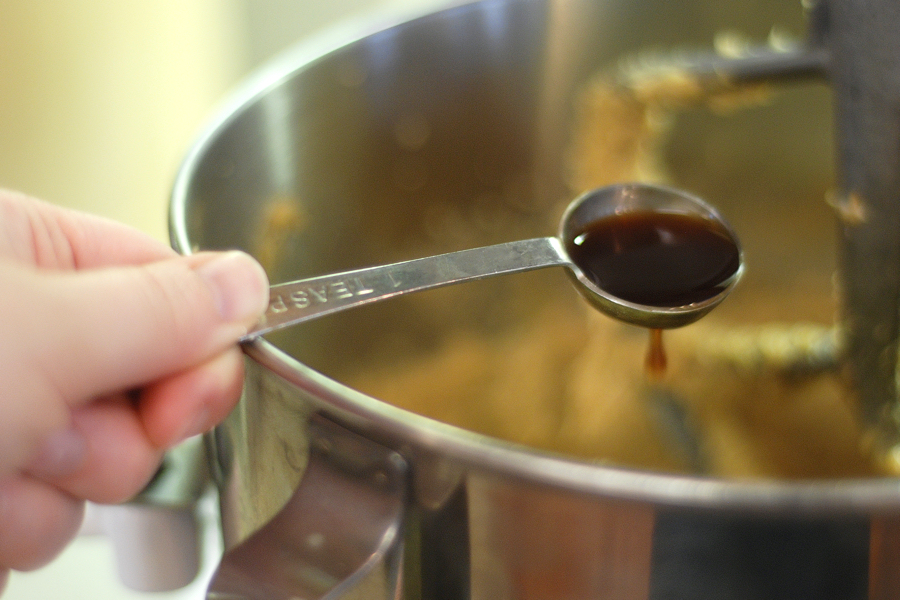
column 99, row 101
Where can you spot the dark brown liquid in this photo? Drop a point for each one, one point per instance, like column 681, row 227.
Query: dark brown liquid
column 656, row 361
column 656, row 258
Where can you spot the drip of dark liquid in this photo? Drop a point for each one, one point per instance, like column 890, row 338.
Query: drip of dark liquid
column 656, row 259
column 656, row 362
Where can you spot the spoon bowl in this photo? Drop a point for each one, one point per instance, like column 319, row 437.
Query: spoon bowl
column 662, row 258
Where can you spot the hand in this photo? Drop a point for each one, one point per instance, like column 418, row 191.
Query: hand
column 112, row 349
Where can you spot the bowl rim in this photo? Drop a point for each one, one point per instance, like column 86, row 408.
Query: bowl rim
column 479, row 451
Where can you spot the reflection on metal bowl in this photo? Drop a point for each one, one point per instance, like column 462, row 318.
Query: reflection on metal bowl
column 541, row 462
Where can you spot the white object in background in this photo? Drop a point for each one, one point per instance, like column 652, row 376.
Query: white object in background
column 156, row 547
column 156, row 536
column 87, row 570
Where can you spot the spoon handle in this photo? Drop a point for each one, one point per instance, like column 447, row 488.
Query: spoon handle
column 298, row 301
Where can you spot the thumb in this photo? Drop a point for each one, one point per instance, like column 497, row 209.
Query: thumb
column 111, row 329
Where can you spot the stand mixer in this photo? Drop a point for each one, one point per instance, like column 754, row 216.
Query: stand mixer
column 853, row 47
column 328, row 492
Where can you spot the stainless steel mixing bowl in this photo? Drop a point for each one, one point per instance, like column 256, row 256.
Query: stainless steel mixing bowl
column 458, row 126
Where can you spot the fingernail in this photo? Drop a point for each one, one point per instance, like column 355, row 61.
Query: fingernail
column 60, row 455
column 199, row 424
column 238, row 284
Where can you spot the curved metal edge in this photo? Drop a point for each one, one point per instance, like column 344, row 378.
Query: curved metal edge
column 399, row 428
column 339, row 535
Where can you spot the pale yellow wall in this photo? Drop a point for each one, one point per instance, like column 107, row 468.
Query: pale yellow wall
column 99, row 99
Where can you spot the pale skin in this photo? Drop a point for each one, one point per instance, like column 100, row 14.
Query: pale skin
column 114, row 348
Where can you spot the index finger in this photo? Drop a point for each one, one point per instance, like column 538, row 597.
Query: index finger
column 51, row 236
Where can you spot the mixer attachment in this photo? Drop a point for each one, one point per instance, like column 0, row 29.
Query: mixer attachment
column 853, row 45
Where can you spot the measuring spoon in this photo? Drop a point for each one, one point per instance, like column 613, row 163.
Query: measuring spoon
column 649, row 255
